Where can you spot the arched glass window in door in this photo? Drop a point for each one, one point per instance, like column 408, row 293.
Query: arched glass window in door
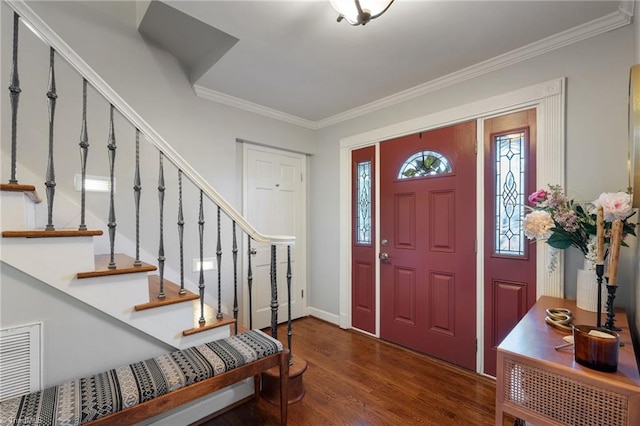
column 424, row 163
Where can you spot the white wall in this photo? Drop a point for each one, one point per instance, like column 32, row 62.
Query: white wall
column 597, row 82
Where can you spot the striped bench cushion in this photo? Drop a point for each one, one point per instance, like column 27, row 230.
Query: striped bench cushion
column 83, row 400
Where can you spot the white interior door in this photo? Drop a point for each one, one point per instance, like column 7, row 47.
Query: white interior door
column 274, row 202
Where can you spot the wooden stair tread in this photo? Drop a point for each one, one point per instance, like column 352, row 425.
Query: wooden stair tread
column 211, row 321
column 43, row 233
column 171, row 291
column 124, row 265
column 16, row 187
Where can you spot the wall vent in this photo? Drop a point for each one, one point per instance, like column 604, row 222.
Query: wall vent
column 20, row 360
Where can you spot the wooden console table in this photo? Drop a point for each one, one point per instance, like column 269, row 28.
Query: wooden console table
column 544, row 386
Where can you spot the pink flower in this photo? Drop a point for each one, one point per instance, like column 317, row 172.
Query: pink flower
column 616, row 205
column 536, row 197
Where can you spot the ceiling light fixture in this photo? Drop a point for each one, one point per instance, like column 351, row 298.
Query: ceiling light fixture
column 359, row 12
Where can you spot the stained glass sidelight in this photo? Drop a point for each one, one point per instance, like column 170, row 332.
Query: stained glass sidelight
column 510, row 194
column 363, row 219
column 424, row 163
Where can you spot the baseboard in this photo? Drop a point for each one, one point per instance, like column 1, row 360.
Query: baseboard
column 325, row 316
column 205, row 406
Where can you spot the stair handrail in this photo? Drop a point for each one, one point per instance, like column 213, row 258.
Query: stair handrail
column 46, row 33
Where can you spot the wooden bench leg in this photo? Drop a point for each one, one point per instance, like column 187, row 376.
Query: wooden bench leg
column 256, row 386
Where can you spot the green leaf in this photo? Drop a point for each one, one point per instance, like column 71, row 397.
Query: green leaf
column 560, row 241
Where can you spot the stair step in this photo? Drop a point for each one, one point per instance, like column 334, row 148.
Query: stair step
column 171, row 291
column 29, row 190
column 43, row 233
column 124, row 265
column 211, row 321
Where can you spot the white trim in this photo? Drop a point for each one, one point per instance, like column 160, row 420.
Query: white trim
column 324, row 315
column 28, row 16
column 480, row 245
column 623, row 16
column 549, row 100
column 232, row 101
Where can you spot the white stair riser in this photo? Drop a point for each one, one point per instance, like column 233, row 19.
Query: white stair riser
column 17, row 211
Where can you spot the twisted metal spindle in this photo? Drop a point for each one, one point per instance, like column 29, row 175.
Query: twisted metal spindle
column 289, row 331
column 201, row 281
column 235, row 277
column 112, row 209
column 50, row 183
column 137, row 188
column 84, row 152
column 181, row 233
column 161, row 257
column 219, row 262
column 250, row 282
column 14, row 94
column 274, row 294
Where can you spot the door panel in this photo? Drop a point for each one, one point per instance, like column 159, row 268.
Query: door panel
column 274, row 204
column 363, row 253
column 427, row 284
column 509, row 260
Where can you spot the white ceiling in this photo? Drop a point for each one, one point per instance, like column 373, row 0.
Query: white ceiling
column 292, row 60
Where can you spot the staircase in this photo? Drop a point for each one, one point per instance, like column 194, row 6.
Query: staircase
column 128, row 293
column 107, row 263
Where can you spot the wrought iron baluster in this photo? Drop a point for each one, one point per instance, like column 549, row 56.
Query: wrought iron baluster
column 219, row 262
column 181, row 233
column 289, row 332
column 14, row 94
column 274, row 294
column 161, row 257
column 137, row 188
column 112, row 209
column 250, row 282
column 50, row 183
column 235, row 277
column 84, row 152
column 201, row 281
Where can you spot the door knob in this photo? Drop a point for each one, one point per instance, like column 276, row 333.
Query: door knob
column 253, row 251
column 383, row 256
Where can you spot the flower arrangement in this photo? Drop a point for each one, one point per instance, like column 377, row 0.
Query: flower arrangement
column 563, row 223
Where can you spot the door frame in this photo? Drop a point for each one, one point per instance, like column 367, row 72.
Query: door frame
column 301, row 240
column 548, row 99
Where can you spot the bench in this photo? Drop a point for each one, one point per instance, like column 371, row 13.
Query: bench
column 138, row 391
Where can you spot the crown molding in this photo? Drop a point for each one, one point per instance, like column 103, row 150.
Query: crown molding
column 232, row 101
column 623, row 16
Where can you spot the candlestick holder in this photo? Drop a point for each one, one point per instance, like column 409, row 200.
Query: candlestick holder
column 611, row 295
column 599, row 274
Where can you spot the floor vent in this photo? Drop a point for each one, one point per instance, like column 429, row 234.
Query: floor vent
column 20, row 360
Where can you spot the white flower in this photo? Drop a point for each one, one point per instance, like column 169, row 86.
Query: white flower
column 616, row 205
column 537, row 225
column 552, row 262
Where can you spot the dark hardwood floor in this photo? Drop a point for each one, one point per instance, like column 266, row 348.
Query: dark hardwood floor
column 355, row 379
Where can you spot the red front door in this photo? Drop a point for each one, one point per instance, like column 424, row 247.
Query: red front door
column 510, row 259
column 428, row 237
